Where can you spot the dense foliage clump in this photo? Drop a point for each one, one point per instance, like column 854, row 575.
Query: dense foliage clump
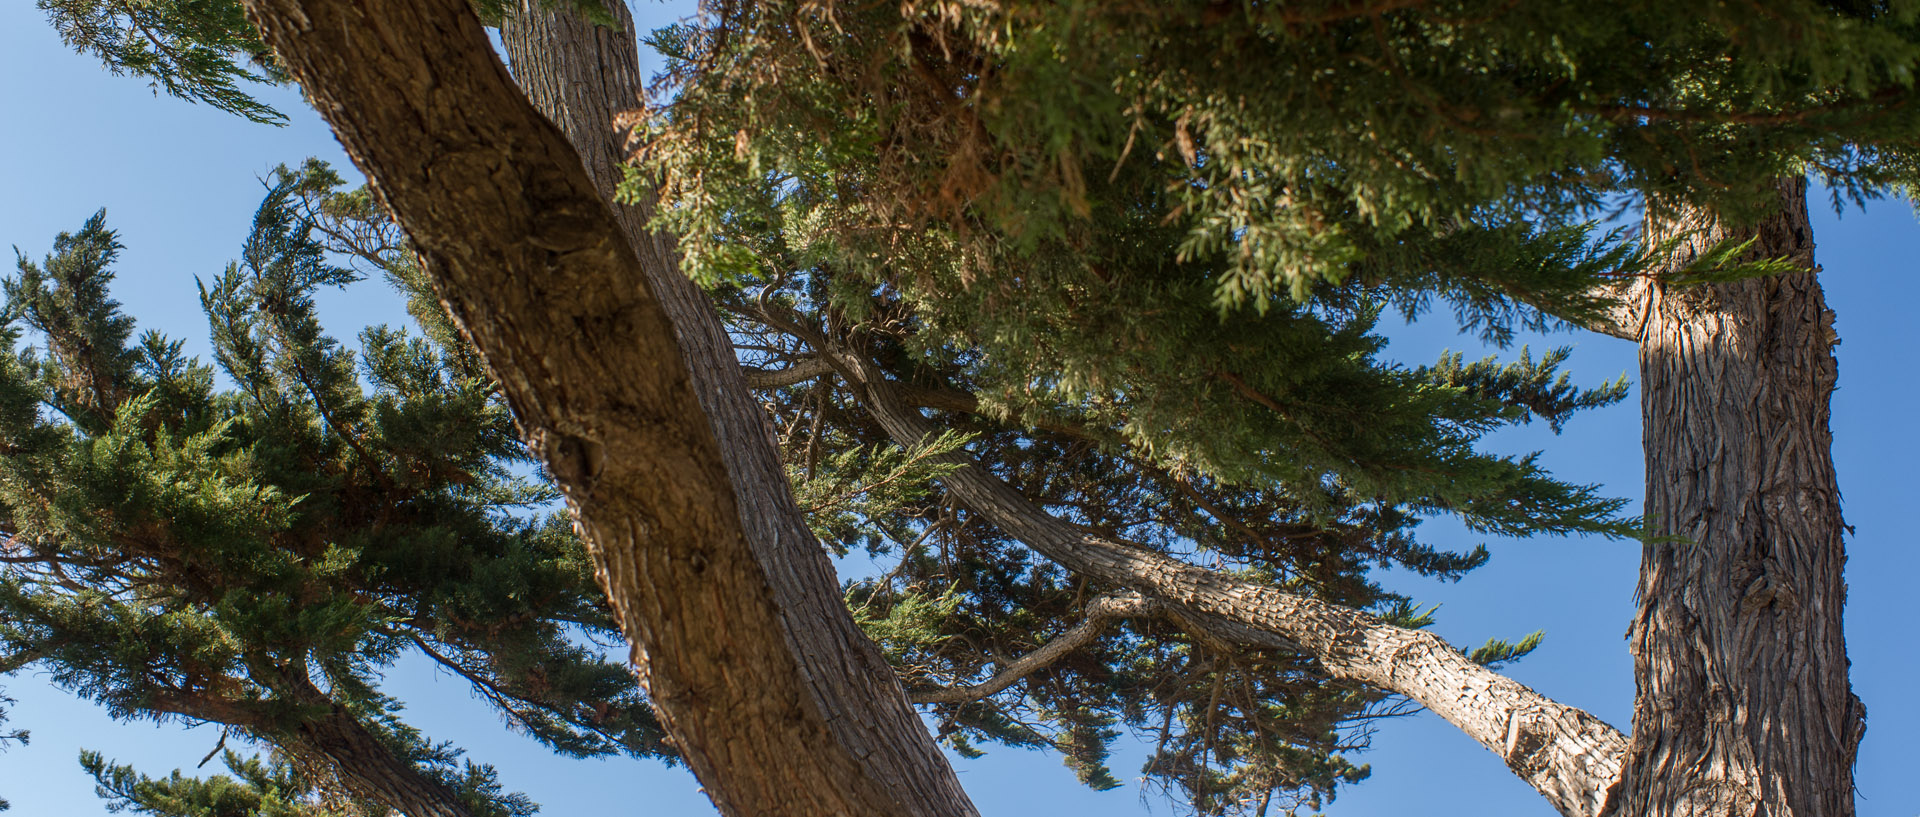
column 253, row 543
column 1138, row 253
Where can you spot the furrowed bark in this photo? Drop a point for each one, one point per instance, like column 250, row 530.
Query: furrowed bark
column 777, row 702
column 1569, row 756
column 332, row 745
column 1742, row 703
column 339, row 746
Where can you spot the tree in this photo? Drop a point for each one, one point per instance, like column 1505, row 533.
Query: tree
column 1552, row 760
column 255, row 556
column 997, row 138
column 1745, row 553
column 19, row 736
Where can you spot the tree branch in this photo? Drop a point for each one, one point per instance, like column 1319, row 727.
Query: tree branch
column 800, row 371
column 1569, row 756
column 1624, row 320
column 1097, row 615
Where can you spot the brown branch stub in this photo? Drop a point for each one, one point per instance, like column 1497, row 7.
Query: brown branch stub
column 799, row 371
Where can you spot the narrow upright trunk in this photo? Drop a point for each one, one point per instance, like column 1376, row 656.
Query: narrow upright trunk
column 1742, row 704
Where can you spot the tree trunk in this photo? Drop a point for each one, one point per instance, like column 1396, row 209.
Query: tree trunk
column 1742, row 704
column 338, row 746
column 782, row 708
column 775, row 699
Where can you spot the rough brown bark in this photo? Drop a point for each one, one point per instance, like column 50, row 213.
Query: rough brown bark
column 339, row 747
column 774, row 698
column 331, row 744
column 783, row 709
column 1742, row 704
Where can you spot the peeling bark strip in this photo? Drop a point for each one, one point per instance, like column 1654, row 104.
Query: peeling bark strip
column 776, row 701
column 1569, row 756
column 1742, row 703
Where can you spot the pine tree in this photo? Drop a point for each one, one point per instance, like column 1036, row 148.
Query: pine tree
column 1043, row 183
column 256, row 554
column 19, row 736
column 1073, row 231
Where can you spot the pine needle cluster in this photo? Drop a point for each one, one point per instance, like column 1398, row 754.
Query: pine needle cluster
column 253, row 543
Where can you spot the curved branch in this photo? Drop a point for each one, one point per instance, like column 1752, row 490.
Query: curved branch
column 1098, row 614
column 1569, row 756
column 800, row 371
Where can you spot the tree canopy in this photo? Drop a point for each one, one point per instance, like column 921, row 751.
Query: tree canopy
column 256, row 553
column 1132, row 259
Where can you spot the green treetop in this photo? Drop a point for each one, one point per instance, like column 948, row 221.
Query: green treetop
column 254, row 545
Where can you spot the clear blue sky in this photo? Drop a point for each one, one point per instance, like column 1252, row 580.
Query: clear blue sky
column 180, row 182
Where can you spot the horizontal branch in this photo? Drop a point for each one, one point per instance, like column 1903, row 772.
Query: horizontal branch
column 1623, row 319
column 800, row 371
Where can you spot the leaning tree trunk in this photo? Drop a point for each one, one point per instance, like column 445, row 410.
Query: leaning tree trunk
column 1742, row 704
column 782, row 709
column 337, row 746
column 773, row 696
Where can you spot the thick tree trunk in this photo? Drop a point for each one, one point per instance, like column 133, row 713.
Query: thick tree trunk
column 775, row 699
column 778, row 704
column 1742, row 705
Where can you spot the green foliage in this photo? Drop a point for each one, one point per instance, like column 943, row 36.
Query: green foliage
column 1528, row 388
column 856, row 483
column 1099, row 317
column 1132, row 255
column 255, row 549
column 912, row 618
column 1139, row 252
column 960, row 598
column 1288, row 144
column 200, row 50
column 206, row 50
column 256, row 789
column 19, row 736
column 1497, row 651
